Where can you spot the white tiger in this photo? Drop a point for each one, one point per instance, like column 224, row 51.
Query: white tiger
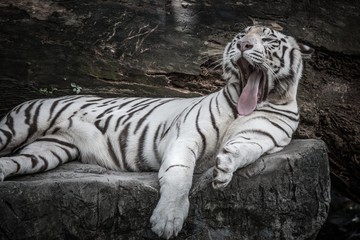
column 168, row 135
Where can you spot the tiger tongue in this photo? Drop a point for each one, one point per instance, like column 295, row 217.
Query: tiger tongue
column 249, row 95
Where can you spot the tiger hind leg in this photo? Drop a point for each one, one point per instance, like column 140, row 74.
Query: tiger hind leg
column 43, row 154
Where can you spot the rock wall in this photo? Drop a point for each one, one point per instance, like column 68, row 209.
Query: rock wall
column 282, row 196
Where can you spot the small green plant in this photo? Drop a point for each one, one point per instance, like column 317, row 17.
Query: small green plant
column 47, row 91
column 76, row 88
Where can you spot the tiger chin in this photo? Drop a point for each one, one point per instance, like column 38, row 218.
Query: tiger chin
column 261, row 67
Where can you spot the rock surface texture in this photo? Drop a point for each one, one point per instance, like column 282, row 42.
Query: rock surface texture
column 282, row 196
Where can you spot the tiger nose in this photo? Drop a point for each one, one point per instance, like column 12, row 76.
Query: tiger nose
column 244, row 45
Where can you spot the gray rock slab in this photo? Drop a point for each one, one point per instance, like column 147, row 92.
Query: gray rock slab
column 281, row 196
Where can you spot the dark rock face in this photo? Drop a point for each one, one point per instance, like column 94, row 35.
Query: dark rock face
column 282, row 196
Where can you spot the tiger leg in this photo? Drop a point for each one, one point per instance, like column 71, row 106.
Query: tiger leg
column 234, row 156
column 43, row 154
column 175, row 178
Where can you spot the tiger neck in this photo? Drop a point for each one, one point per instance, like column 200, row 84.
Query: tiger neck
column 231, row 94
column 284, row 95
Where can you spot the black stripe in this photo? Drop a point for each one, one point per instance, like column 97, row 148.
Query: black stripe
column 193, row 153
column 213, row 122
column 33, row 126
column 55, row 140
column 67, row 152
column 10, row 123
column 57, row 116
column 280, row 127
column 17, row 165
column 129, row 116
column 17, row 109
column 70, row 123
column 155, row 144
column 52, row 108
column 123, row 146
column 8, row 136
column 174, row 121
column 106, row 102
column 94, row 100
column 273, row 123
column 284, row 51
column 257, row 131
column 233, row 72
column 164, row 131
column 235, row 142
column 237, row 89
column 141, row 102
column 72, row 99
column 105, row 112
column 87, row 105
column 141, row 120
column 34, row 160
column 279, row 113
column 106, row 125
column 201, row 135
column 27, row 112
column 281, row 110
column 177, row 165
column 237, row 135
column 177, row 129
column 231, row 105
column 57, row 157
column 287, row 124
column 188, row 112
column 126, row 103
column 140, row 160
column 46, row 164
column 112, row 154
column 118, row 122
column 291, row 56
column 55, row 130
column 217, row 103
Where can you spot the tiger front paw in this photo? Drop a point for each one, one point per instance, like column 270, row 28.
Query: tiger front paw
column 221, row 178
column 168, row 218
column 223, row 172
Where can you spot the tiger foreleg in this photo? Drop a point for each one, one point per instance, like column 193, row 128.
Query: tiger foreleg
column 43, row 154
column 175, row 178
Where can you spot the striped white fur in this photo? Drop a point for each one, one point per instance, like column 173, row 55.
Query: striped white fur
column 168, row 135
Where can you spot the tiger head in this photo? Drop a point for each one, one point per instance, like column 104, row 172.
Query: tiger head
column 267, row 64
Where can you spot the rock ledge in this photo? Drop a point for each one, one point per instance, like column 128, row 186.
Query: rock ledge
column 282, row 196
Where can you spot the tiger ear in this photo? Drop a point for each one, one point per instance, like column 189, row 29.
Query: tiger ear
column 306, row 51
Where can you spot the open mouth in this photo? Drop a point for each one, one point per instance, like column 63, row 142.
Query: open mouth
column 253, row 87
